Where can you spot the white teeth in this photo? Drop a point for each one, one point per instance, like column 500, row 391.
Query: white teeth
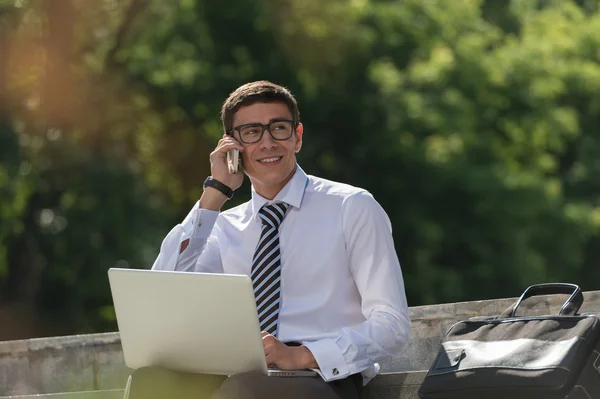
column 267, row 160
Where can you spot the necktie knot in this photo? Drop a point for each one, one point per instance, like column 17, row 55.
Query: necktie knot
column 272, row 215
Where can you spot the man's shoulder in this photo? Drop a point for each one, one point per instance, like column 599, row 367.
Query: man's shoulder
column 321, row 186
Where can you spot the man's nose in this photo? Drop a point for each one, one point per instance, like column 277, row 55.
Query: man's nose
column 267, row 140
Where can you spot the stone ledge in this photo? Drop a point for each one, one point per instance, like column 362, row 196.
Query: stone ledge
column 95, row 362
column 62, row 364
column 106, row 394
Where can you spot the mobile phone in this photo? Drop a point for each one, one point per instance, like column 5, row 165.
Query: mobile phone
column 233, row 160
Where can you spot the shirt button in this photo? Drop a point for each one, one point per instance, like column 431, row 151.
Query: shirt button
column 335, row 371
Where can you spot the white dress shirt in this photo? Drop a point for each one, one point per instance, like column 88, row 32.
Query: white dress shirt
column 342, row 291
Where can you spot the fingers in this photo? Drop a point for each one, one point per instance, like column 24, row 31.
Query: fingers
column 220, row 170
column 268, row 340
column 230, row 143
column 222, row 149
column 218, row 159
column 279, row 355
column 227, row 143
column 269, row 343
column 270, row 347
column 270, row 359
column 225, row 146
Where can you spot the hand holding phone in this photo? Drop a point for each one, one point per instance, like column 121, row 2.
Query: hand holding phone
column 233, row 160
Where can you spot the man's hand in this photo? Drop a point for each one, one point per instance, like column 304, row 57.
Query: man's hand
column 287, row 357
column 218, row 162
column 219, row 170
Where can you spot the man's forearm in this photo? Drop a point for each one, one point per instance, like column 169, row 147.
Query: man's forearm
column 212, row 199
column 186, row 241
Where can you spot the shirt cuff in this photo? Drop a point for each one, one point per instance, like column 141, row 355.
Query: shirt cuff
column 200, row 222
column 329, row 357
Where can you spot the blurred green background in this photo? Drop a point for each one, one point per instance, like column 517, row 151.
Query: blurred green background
column 475, row 123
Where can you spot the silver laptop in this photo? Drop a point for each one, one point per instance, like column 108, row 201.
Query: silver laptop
column 193, row 322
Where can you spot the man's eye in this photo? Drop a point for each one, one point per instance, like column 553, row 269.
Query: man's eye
column 252, row 131
column 278, row 126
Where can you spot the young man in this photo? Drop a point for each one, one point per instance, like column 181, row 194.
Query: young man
column 326, row 276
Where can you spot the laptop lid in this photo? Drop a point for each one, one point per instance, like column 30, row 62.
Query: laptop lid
column 194, row 322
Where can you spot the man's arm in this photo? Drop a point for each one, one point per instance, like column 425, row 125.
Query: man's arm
column 376, row 271
column 185, row 242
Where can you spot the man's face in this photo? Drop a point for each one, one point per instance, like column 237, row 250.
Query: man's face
column 269, row 163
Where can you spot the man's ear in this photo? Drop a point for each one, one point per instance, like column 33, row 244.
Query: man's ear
column 299, row 131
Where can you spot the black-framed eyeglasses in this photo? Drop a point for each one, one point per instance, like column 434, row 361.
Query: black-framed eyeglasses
column 250, row 133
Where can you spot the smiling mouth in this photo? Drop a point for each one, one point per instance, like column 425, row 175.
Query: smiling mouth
column 269, row 160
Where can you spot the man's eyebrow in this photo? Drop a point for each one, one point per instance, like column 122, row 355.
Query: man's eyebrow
column 278, row 119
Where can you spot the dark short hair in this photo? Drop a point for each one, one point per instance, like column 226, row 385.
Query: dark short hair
column 257, row 92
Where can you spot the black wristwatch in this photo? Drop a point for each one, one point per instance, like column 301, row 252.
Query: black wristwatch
column 226, row 190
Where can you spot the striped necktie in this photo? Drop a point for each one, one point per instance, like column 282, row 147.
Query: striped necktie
column 266, row 267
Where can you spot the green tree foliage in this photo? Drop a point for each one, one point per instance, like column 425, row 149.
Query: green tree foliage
column 473, row 122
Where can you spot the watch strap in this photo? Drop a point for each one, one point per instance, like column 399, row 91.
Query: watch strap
column 214, row 183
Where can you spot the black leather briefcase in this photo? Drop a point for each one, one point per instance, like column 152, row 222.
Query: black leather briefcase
column 512, row 357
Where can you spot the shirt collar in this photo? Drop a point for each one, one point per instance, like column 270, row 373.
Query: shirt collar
column 292, row 193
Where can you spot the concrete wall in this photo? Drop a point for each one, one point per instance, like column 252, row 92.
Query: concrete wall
column 62, row 364
column 95, row 361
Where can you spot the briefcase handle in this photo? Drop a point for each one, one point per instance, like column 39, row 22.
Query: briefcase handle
column 569, row 308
